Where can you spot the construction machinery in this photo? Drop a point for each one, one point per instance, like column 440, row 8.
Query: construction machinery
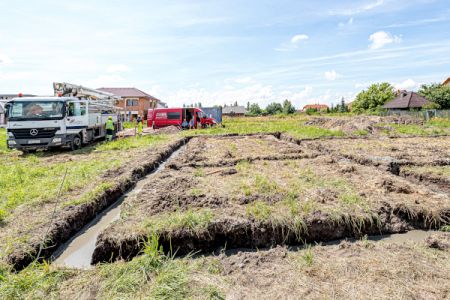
column 73, row 117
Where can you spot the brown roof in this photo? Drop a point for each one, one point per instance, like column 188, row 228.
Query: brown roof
column 315, row 106
column 446, row 82
column 407, row 100
column 127, row 92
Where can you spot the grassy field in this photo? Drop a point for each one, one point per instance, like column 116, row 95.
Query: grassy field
column 22, row 177
column 294, row 125
column 364, row 268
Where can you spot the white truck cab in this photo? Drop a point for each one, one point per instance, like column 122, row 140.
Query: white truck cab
column 52, row 122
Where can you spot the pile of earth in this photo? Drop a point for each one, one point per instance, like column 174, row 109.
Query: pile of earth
column 168, row 130
column 370, row 124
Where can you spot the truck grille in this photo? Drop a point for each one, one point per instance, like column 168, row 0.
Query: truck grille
column 30, row 133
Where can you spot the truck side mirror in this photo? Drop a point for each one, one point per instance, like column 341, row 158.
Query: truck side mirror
column 7, row 106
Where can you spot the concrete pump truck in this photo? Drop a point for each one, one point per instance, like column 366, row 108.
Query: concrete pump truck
column 73, row 117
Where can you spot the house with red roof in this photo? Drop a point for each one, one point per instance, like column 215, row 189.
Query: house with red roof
column 134, row 102
column 317, row 107
column 446, row 82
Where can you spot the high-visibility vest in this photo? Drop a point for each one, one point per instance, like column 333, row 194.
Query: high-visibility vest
column 109, row 125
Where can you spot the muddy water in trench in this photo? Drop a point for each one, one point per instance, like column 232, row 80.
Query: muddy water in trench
column 77, row 252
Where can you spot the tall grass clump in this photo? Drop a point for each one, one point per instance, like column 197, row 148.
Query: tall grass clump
column 194, row 221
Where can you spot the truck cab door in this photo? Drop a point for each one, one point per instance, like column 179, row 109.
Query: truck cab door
column 76, row 118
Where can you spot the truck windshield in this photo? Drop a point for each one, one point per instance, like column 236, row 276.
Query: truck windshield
column 36, row 110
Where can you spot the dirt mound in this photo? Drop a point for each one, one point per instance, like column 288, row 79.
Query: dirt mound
column 168, row 130
column 370, row 124
column 439, row 241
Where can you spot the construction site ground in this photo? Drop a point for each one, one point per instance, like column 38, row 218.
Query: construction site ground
column 236, row 216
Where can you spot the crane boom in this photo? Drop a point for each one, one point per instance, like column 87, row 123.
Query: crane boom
column 72, row 90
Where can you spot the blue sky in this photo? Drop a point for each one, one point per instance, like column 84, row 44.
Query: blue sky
column 219, row 52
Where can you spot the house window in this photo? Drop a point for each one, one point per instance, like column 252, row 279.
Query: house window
column 132, row 102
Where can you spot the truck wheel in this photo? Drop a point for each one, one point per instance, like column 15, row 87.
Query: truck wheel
column 76, row 143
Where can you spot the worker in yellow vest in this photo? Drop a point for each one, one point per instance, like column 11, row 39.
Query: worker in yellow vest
column 139, row 125
column 109, row 129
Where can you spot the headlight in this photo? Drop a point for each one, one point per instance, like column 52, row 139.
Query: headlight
column 57, row 140
column 11, row 142
column 10, row 134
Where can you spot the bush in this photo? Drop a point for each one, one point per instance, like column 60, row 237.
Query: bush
column 372, row 99
column 437, row 93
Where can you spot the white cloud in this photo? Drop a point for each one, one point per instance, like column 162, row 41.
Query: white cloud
column 380, row 39
column 407, row 84
column 244, row 80
column 118, row 68
column 106, row 81
column 16, row 75
column 348, row 23
column 331, row 75
column 293, row 44
column 298, row 38
column 357, row 9
column 4, row 59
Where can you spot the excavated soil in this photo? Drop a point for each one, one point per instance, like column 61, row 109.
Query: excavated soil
column 72, row 218
column 259, row 191
column 369, row 124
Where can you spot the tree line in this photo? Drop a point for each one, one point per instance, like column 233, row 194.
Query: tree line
column 274, row 108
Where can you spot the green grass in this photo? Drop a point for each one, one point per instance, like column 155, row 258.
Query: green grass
column 259, row 210
column 308, row 256
column 24, row 177
column 294, row 125
column 152, row 275
column 194, row 221
column 432, row 127
column 38, row 281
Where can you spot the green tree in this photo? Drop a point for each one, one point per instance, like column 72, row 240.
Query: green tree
column 288, row 108
column 343, row 106
column 374, row 97
column 437, row 93
column 248, row 105
column 255, row 109
column 274, row 108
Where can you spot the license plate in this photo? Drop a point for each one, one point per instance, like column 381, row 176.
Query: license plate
column 34, row 142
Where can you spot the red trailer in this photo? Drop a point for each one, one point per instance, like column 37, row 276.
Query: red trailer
column 162, row 117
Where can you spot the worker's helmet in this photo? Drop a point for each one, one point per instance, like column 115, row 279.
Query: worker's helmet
column 110, row 117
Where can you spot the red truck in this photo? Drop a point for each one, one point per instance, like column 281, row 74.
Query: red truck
column 162, row 117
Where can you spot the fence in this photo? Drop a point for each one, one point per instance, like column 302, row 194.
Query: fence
column 214, row 112
column 424, row 114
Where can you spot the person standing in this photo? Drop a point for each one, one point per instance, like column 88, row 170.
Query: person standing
column 139, row 125
column 109, row 129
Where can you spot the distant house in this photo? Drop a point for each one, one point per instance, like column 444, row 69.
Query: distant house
column 446, row 82
column 406, row 100
column 134, row 102
column 317, row 107
column 234, row 111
